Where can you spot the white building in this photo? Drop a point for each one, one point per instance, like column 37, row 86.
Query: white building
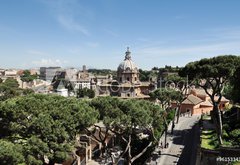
column 62, row 92
column 80, row 84
column 10, row 73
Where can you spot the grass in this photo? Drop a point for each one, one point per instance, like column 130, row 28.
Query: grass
column 206, row 117
column 227, row 143
column 209, row 139
column 235, row 163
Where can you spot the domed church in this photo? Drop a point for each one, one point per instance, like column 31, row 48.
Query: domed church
column 127, row 84
column 127, row 71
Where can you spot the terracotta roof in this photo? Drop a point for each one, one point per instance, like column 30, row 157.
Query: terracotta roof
column 191, row 99
column 223, row 99
column 200, row 92
column 186, row 101
column 206, row 103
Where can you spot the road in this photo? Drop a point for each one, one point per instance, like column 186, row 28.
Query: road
column 189, row 153
column 183, row 143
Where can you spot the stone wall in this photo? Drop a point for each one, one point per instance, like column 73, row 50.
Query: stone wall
column 210, row 156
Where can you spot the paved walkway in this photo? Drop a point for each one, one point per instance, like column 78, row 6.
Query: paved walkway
column 92, row 162
column 170, row 155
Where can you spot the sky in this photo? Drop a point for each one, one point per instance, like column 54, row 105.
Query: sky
column 71, row 33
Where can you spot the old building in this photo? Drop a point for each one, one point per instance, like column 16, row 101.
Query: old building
column 11, row 73
column 127, row 84
column 47, row 73
column 72, row 80
column 127, row 71
column 83, row 79
column 198, row 102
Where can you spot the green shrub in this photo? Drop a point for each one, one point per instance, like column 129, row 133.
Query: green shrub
column 235, row 133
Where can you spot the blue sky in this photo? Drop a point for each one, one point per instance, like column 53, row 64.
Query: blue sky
column 66, row 33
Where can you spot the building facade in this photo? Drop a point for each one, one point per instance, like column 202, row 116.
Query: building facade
column 47, row 73
column 198, row 102
column 127, row 84
column 127, row 71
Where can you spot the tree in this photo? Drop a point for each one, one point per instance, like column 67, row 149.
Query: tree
column 108, row 110
column 181, row 85
column 7, row 92
column 155, row 68
column 235, row 136
column 128, row 120
column 27, row 91
column 214, row 72
column 9, row 89
column 27, row 77
column 147, row 75
column 166, row 96
column 234, row 84
column 85, row 92
column 11, row 83
column 144, row 75
column 10, row 153
column 135, row 119
column 44, row 125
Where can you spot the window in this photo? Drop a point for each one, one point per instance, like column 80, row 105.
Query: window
column 127, row 78
column 135, row 78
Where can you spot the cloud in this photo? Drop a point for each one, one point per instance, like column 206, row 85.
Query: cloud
column 71, row 24
column 225, row 33
column 210, row 42
column 197, row 51
column 49, row 62
column 70, row 14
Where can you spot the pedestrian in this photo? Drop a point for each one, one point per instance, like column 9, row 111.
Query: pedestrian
column 167, row 145
column 161, row 144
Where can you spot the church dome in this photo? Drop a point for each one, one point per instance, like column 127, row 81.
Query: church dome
column 127, row 64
